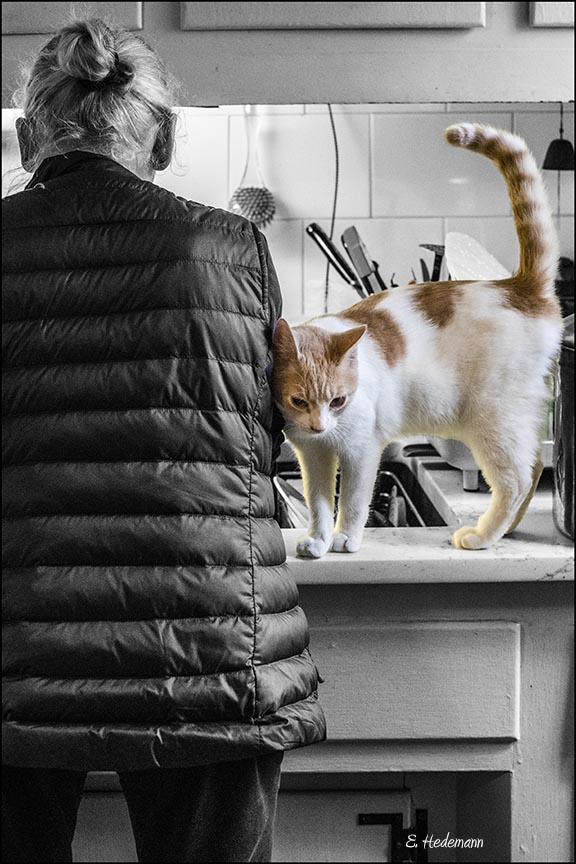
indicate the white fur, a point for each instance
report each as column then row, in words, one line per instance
column 485, row 388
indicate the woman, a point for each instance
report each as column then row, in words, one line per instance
column 152, row 627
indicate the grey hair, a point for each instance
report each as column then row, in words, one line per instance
column 98, row 88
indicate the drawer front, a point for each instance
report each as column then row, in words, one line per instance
column 420, row 680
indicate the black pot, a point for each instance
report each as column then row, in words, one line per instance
column 564, row 434
column 565, row 285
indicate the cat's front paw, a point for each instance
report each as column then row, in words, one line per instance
column 312, row 547
column 344, row 543
column 468, row 537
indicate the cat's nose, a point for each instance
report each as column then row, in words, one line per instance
column 317, row 429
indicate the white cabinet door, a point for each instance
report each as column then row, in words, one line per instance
column 29, row 18
column 331, row 16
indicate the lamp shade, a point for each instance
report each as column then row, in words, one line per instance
column 559, row 156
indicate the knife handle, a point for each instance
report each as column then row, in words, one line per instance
column 334, row 257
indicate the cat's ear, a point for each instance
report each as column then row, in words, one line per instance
column 343, row 343
column 283, row 340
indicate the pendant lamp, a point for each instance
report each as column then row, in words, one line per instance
column 560, row 153
column 559, row 156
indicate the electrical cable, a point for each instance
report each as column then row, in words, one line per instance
column 335, row 201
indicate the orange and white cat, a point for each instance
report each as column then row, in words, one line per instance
column 457, row 359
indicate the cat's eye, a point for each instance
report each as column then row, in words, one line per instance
column 338, row 402
column 299, row 403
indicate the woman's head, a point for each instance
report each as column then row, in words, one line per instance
column 96, row 88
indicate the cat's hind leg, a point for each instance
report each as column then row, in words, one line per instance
column 506, row 464
column 536, row 474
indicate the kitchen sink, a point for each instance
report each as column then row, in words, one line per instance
column 398, row 500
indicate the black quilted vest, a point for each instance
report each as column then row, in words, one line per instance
column 149, row 615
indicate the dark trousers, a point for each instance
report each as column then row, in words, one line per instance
column 222, row 812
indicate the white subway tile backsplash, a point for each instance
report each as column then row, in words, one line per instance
column 281, row 109
column 210, row 110
column 284, row 238
column 340, row 296
column 416, row 173
column 399, row 182
column 297, row 160
column 14, row 178
column 565, row 229
column 9, row 116
column 199, row 170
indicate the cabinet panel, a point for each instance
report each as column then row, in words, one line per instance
column 437, row 680
column 314, row 826
column 552, row 14
column 315, row 16
column 48, row 17
column 340, row 63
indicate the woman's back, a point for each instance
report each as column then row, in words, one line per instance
column 151, row 620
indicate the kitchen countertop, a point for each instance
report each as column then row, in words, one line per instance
column 535, row 551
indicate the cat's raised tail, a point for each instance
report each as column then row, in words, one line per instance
column 536, row 233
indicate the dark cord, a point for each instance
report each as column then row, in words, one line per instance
column 336, row 182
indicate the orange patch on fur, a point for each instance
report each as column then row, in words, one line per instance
column 381, row 325
column 313, row 371
column 529, row 295
column 437, row 300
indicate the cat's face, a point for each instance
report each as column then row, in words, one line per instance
column 315, row 374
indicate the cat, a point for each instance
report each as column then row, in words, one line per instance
column 456, row 359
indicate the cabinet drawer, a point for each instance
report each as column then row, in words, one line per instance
column 420, row 680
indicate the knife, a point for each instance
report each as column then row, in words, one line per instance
column 438, row 256
column 334, row 257
column 365, row 267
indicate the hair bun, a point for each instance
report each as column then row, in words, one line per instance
column 121, row 77
column 86, row 51
column 96, row 87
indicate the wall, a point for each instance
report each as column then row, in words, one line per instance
column 505, row 60
column 399, row 182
